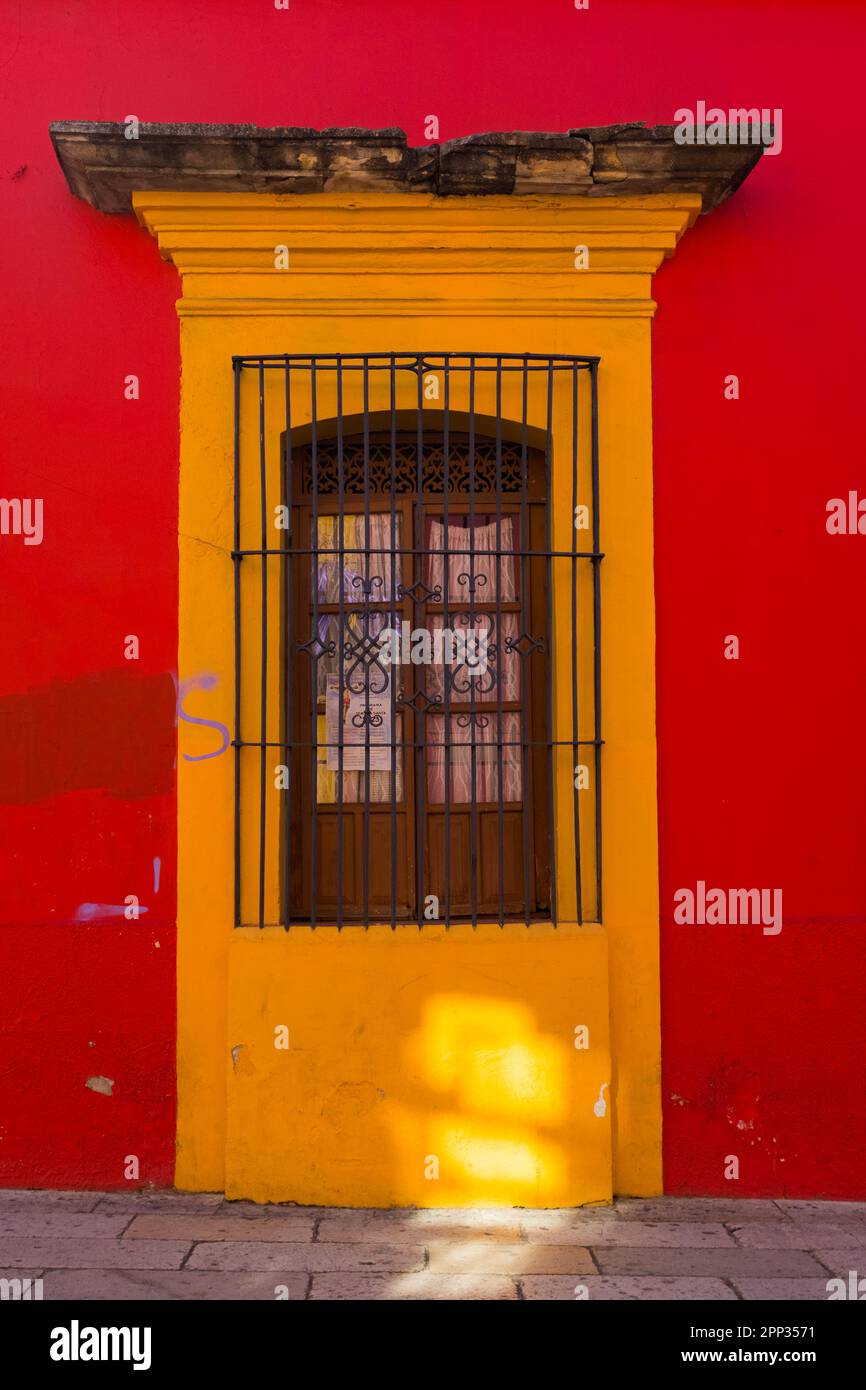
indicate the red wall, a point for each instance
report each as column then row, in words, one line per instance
column 761, row 761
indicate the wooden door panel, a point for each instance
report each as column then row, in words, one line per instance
column 379, row 867
column 487, row 873
column 512, row 861
column 459, row 869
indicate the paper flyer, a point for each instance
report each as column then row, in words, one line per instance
column 358, row 728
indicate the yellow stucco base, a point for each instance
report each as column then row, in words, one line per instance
column 425, row 1068
column 434, row 1067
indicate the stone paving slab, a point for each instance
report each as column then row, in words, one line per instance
column 697, row 1209
column 628, row 1288
column 134, row 1202
column 786, row 1290
column 315, row 1258
column 419, row 1226
column 494, row 1218
column 841, row 1262
column 161, row 1226
column 545, row 1218
column 788, row 1235
column 720, row 1264
column 18, row 1199
column 268, row 1210
column 376, row 1288
column 677, row 1235
column 74, row 1253
column 169, row 1285
column 821, row 1211
column 36, row 1224
column 492, row 1257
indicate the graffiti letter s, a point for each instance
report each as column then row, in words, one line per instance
column 204, row 682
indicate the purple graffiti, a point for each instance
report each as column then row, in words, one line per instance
column 89, row 912
column 206, row 681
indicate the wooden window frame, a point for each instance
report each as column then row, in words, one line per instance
column 496, row 889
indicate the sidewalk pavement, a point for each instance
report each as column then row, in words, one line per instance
column 174, row 1245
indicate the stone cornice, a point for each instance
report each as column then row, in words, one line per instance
column 104, row 168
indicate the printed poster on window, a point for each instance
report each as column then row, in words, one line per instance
column 357, row 725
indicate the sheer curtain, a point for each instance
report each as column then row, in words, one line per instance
column 361, row 571
column 487, row 758
column 461, row 560
column 475, row 578
column 366, row 578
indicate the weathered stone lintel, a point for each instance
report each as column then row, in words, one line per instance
column 103, row 167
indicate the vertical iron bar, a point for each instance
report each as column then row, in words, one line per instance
column 446, row 673
column 314, row 665
column 500, row 665
column 596, row 595
column 574, row 650
column 550, row 650
column 287, row 674
column 368, row 598
column 473, row 849
column 264, row 650
column 339, row 563
column 420, row 750
column 525, row 684
column 237, row 566
column 394, row 672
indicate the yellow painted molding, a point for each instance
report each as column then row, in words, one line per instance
column 501, row 250
column 403, row 308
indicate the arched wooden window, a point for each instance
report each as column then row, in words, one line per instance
column 423, row 789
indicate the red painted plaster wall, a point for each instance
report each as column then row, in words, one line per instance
column 761, row 761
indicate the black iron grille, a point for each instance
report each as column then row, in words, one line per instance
column 417, row 639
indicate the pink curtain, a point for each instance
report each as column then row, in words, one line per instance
column 482, row 579
column 461, row 562
column 501, row 681
column 488, row 759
